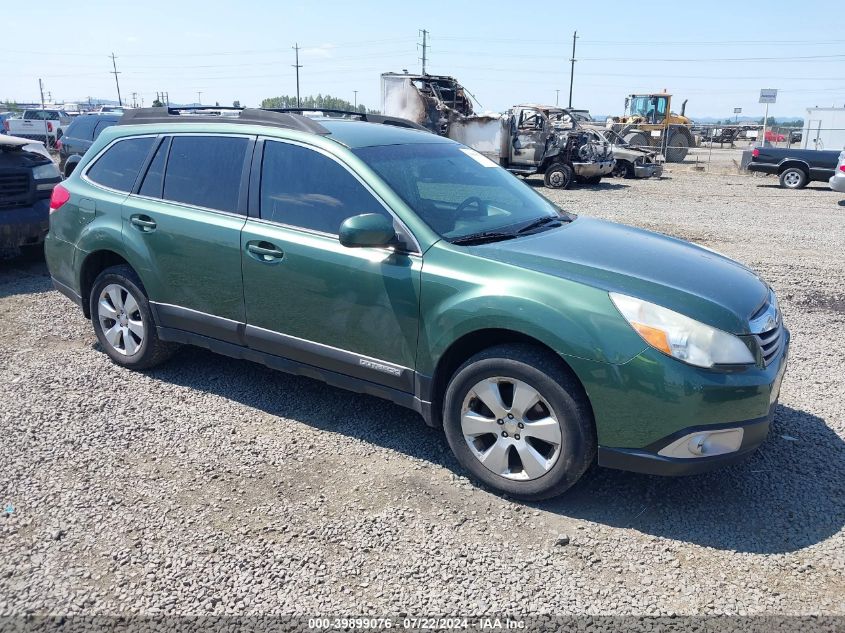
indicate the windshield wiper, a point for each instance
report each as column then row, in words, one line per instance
column 540, row 222
column 482, row 237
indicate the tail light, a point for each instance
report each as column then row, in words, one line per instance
column 842, row 168
column 755, row 152
column 59, row 197
column 49, row 126
column 58, row 145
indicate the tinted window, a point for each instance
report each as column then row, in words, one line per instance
column 154, row 179
column 119, row 166
column 102, row 124
column 82, row 127
column 205, row 171
column 303, row 188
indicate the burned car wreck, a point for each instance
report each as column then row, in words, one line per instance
column 525, row 139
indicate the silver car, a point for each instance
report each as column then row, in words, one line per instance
column 837, row 181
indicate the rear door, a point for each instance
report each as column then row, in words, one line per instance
column 184, row 218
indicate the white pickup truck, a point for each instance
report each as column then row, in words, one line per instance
column 40, row 125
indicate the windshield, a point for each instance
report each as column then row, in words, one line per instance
column 457, row 191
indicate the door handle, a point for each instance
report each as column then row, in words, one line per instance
column 265, row 252
column 144, row 223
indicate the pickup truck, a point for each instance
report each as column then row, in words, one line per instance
column 27, row 178
column 39, row 125
column 795, row 167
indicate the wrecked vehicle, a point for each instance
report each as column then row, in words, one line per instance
column 434, row 101
column 631, row 162
column 523, row 140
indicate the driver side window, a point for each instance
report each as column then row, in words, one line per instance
column 303, row 188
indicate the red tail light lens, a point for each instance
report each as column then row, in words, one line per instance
column 58, row 145
column 49, row 126
column 59, row 197
column 755, row 152
column 842, row 168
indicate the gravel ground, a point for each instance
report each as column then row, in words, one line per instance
column 218, row 486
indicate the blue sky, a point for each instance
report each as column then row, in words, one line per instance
column 503, row 52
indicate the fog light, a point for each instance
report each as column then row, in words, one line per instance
column 704, row 444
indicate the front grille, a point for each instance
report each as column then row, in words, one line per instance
column 14, row 189
column 770, row 343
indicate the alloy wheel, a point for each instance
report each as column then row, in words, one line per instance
column 120, row 319
column 792, row 179
column 510, row 428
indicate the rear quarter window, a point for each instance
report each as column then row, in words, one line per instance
column 118, row 167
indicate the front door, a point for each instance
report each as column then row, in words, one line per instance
column 185, row 221
column 308, row 298
column 528, row 136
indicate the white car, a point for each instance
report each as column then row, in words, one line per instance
column 837, row 181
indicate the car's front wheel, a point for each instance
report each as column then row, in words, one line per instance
column 123, row 321
column 519, row 422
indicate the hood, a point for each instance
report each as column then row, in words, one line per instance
column 670, row 272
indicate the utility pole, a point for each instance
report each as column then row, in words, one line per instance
column 117, row 83
column 572, row 67
column 166, row 99
column 297, row 65
column 134, row 99
column 41, row 89
column 356, row 99
column 557, row 96
column 424, row 49
column 199, row 97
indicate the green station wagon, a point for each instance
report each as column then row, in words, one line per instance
column 397, row 263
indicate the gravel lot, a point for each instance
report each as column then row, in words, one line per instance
column 219, row 486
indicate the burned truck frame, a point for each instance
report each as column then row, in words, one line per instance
column 524, row 140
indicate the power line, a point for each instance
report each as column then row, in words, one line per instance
column 424, row 48
column 297, row 65
column 117, row 83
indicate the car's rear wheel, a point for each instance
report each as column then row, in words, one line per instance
column 519, row 422
column 793, row 178
column 623, row 169
column 123, row 321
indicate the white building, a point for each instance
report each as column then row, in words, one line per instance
column 824, row 128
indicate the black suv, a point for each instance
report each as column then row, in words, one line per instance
column 79, row 136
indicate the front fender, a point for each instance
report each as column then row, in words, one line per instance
column 570, row 318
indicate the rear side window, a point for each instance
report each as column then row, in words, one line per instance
column 154, row 180
column 119, row 166
column 102, row 124
column 205, row 171
column 303, row 188
column 82, row 127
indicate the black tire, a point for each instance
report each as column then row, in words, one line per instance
column 558, row 176
column 677, row 147
column 623, row 169
column 545, row 373
column 794, row 178
column 151, row 351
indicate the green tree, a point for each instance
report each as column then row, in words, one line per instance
column 317, row 102
column 236, row 104
column 158, row 104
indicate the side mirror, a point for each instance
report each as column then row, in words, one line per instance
column 368, row 229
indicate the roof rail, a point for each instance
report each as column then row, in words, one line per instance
column 247, row 116
column 367, row 118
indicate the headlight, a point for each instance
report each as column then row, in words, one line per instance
column 43, row 172
column 679, row 336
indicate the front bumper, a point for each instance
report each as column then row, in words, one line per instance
column 648, row 170
column 837, row 182
column 24, row 226
column 651, row 411
column 588, row 170
column 650, row 462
